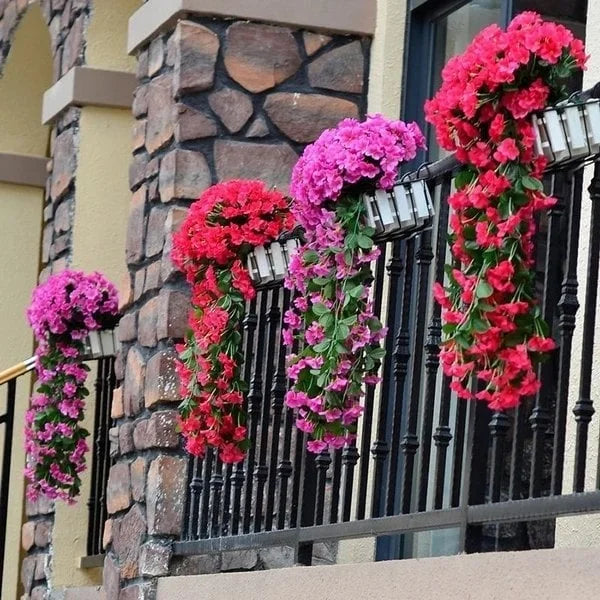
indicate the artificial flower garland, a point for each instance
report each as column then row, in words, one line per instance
column 492, row 325
column 222, row 226
column 63, row 311
column 332, row 315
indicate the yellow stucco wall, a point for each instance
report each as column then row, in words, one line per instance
column 583, row 531
column 387, row 55
column 21, row 132
column 106, row 45
column 101, row 208
column 20, row 234
column 21, row 96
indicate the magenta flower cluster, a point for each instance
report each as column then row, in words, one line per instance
column 365, row 153
column 62, row 312
column 331, row 319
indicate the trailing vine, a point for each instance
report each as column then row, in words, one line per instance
column 493, row 326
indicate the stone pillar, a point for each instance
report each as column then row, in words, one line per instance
column 217, row 99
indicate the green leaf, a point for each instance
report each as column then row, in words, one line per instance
column 531, row 183
column 340, row 348
column 356, row 292
column 377, row 353
column 320, row 309
column 365, row 242
column 479, row 325
column 310, row 257
column 321, row 280
column 449, row 328
column 463, row 178
column 326, row 320
column 322, row 347
column 343, row 331
column 484, row 290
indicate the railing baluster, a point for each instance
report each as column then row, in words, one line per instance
column 367, row 424
column 516, row 457
column 336, row 480
column 208, row 464
column 216, row 485
column 432, row 347
column 9, row 420
column 299, row 451
column 410, row 441
column 381, row 447
column 322, row 461
column 540, row 418
column 584, row 407
column 278, row 394
column 401, row 359
column 499, row 426
column 254, row 406
column 460, row 430
column 567, row 308
column 239, row 475
column 442, row 437
column 95, row 485
column 195, row 487
column 261, row 471
column 349, row 460
column 284, row 469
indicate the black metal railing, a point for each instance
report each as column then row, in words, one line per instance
column 101, row 460
column 9, row 380
column 424, row 460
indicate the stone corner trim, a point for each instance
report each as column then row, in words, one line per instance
column 338, row 16
column 22, row 169
column 86, row 86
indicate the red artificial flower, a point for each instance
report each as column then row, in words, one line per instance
column 211, row 248
column 506, row 151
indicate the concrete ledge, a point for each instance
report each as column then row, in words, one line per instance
column 544, row 574
column 339, row 16
column 85, row 86
column 22, row 169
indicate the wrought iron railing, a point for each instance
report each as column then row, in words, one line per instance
column 101, row 460
column 424, row 460
column 8, row 382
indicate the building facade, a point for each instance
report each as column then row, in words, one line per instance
column 114, row 116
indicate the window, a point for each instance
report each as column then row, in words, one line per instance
column 439, row 30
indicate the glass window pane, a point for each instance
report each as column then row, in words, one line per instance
column 452, row 34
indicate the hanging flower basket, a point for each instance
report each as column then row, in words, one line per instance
column 406, row 208
column 267, row 264
column 568, row 131
column 101, row 344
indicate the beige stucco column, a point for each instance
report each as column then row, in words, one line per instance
column 583, row 531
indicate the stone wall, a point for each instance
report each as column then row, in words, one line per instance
column 217, row 100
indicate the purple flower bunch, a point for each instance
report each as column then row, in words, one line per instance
column 62, row 312
column 331, row 319
column 354, row 153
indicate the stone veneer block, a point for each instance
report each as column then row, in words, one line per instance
column 196, row 49
column 303, row 117
column 271, row 163
column 166, row 495
column 184, row 174
column 259, row 57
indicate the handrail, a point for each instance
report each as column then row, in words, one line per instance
column 17, row 370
